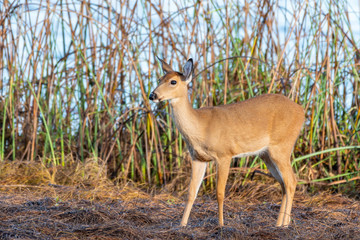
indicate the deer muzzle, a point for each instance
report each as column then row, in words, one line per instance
column 153, row 96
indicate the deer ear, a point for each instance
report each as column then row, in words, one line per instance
column 188, row 70
column 165, row 67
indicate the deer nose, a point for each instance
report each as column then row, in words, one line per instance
column 152, row 96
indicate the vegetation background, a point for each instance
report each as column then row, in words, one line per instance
column 75, row 78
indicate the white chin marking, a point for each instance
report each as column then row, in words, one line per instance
column 156, row 100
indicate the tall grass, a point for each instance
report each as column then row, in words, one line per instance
column 76, row 75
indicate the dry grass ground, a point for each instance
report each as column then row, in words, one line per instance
column 65, row 212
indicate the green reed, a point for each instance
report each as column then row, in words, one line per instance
column 75, row 80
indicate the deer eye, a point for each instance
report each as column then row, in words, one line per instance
column 173, row 82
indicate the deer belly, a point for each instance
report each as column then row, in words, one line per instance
column 251, row 153
column 202, row 155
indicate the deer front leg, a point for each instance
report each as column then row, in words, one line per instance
column 197, row 175
column 222, row 176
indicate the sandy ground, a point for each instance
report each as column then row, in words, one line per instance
column 45, row 214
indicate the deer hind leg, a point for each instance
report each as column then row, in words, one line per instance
column 223, row 168
column 280, row 167
column 197, row 174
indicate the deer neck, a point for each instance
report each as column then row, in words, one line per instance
column 185, row 117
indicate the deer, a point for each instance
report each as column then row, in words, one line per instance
column 267, row 125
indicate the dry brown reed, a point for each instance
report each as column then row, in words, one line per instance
column 75, row 78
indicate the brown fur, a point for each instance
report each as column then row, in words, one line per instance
column 267, row 125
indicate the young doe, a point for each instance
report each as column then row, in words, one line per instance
column 267, row 125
